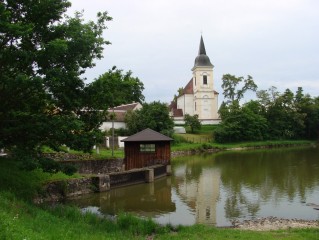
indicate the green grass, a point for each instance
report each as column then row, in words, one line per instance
column 23, row 220
column 104, row 153
column 184, row 146
column 25, row 184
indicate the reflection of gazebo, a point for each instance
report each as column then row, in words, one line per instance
column 146, row 148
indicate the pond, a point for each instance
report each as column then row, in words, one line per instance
column 215, row 189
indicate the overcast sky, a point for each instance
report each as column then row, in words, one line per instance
column 274, row 41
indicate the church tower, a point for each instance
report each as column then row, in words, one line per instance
column 205, row 97
column 198, row 96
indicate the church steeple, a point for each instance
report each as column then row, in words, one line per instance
column 201, row 49
column 202, row 60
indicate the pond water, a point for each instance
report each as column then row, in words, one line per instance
column 215, row 189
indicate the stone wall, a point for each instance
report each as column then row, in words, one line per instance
column 59, row 190
column 97, row 166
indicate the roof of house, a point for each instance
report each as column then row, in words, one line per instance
column 119, row 116
column 125, row 107
column 147, row 135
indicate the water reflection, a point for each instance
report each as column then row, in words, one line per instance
column 214, row 189
column 148, row 200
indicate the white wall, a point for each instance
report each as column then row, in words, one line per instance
column 108, row 125
column 186, row 102
column 120, row 144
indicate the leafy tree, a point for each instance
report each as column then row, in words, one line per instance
column 43, row 54
column 284, row 121
column 154, row 115
column 114, row 88
column 231, row 84
column 193, row 122
column 309, row 107
column 242, row 124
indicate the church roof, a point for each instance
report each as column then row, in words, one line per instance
column 188, row 89
column 202, row 60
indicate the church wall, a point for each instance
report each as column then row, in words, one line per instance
column 186, row 102
column 206, row 100
column 198, row 72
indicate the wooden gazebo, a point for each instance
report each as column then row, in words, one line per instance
column 146, row 148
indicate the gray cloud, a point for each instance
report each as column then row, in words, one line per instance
column 274, row 41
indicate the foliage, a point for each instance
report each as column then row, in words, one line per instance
column 42, row 57
column 44, row 100
column 193, row 122
column 274, row 115
column 231, row 82
column 114, row 88
column 154, row 115
column 242, row 124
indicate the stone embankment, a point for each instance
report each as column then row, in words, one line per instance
column 273, row 223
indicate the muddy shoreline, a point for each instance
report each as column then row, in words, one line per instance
column 274, row 223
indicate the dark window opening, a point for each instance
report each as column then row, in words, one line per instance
column 147, row 147
column 205, row 80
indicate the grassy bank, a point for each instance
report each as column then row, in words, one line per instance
column 22, row 220
column 184, row 146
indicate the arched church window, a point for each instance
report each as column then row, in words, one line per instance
column 205, row 79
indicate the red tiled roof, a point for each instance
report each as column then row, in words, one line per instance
column 173, row 105
column 188, row 89
column 119, row 116
column 178, row 113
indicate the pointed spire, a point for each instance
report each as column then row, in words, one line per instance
column 202, row 60
column 201, row 46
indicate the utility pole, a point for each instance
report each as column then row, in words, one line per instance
column 113, row 132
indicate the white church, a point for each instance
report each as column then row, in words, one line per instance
column 198, row 96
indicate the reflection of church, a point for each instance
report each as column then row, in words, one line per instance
column 198, row 96
column 200, row 194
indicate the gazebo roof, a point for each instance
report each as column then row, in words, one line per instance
column 147, row 135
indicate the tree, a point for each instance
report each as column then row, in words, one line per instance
column 112, row 89
column 284, row 121
column 243, row 123
column 43, row 55
column 230, row 86
column 192, row 122
column 154, row 115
